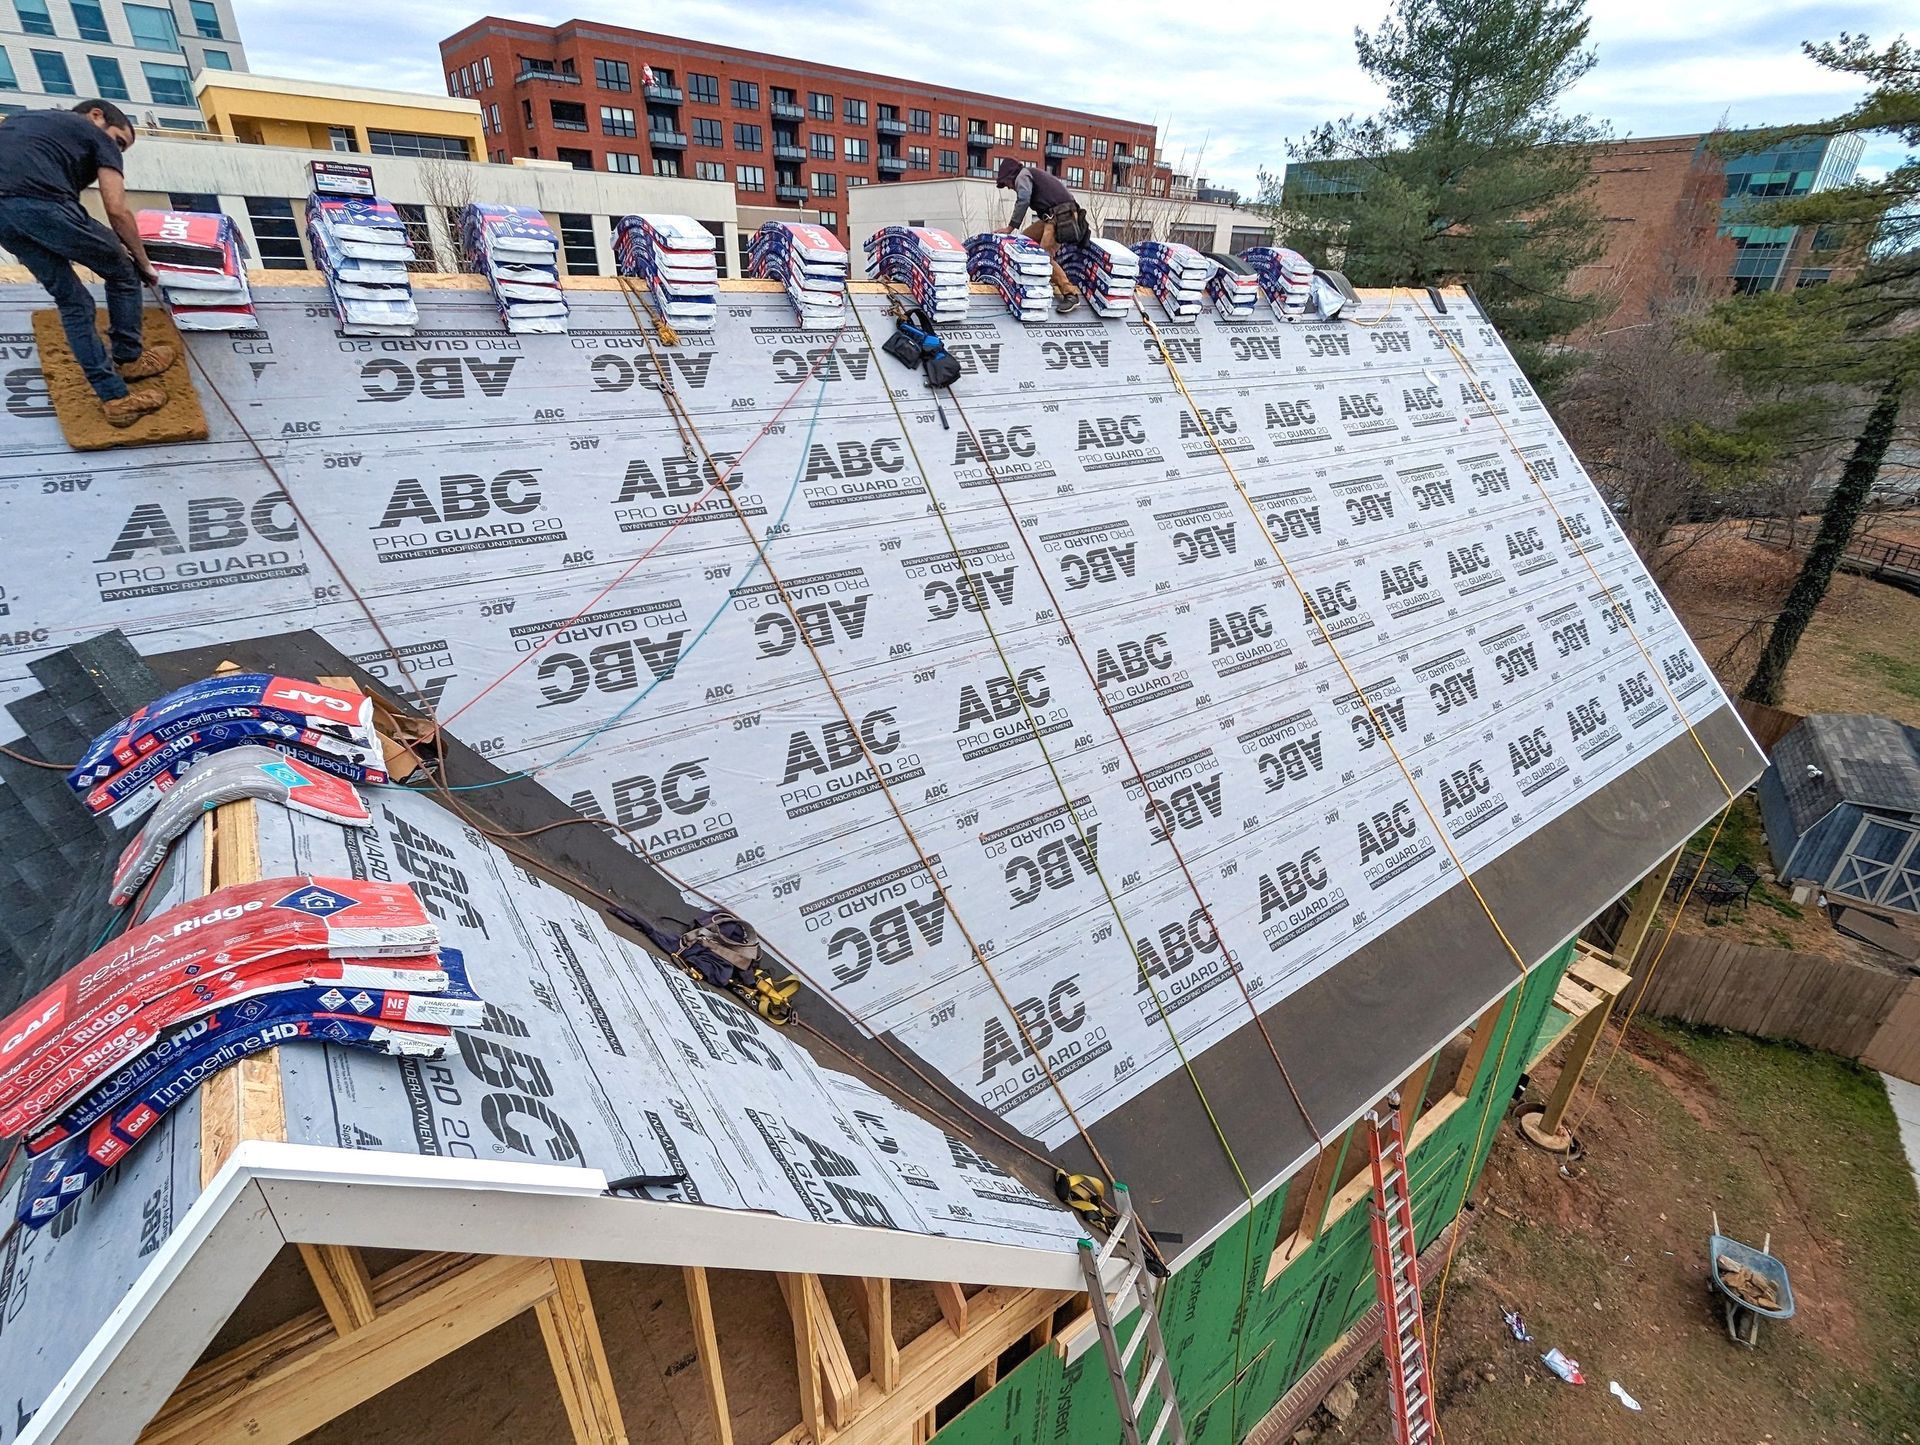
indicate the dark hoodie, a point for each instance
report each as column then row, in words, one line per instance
column 1042, row 190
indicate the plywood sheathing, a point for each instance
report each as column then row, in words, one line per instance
column 84, row 424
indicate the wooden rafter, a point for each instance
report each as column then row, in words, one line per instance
column 706, row 1343
column 579, row 1359
column 953, row 1304
column 883, row 1352
column 340, row 1276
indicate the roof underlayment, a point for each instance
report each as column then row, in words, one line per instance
column 1133, row 800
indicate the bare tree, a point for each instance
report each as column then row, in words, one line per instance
column 449, row 188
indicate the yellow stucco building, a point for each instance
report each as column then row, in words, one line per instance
column 309, row 115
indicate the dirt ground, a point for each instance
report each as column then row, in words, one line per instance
column 1862, row 653
column 1609, row 1265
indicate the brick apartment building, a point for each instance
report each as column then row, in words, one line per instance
column 790, row 135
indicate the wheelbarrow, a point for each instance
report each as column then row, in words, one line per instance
column 1744, row 1315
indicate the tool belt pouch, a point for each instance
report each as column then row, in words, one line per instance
column 942, row 370
column 1070, row 226
column 904, row 349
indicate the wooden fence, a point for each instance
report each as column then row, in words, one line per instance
column 1768, row 724
column 1845, row 1008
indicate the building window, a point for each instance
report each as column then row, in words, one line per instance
column 206, row 20
column 949, row 163
column 612, row 74
column 708, row 131
column 486, row 69
column 949, row 127
column 709, row 170
column 1243, row 237
column 276, row 233
column 407, row 143
column 36, row 19
column 216, row 59
column 1003, row 132
column 202, row 202
column 1077, row 145
column 920, row 122
column 614, row 120
column 567, row 114
column 493, row 114
column 919, row 157
column 8, row 80
column 750, row 178
column 856, row 149
column 580, row 160
column 825, row 183
column 576, row 244
column 526, row 114
column 663, row 76
column 342, row 138
column 1097, row 180
column 1099, row 148
column 168, row 84
column 746, row 137
column 667, row 166
column 54, row 76
column 419, row 235
column 1076, row 176
column 704, row 88
column 853, row 181
column 820, row 145
column 819, row 105
column 622, row 164
column 854, row 112
column 153, row 29
column 91, row 21
column 829, row 219
column 719, row 230
column 108, row 82
column 746, row 95
column 1029, row 138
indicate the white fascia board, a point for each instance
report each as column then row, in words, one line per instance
column 162, row 1326
column 321, row 1195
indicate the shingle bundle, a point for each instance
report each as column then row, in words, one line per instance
column 516, row 250
column 1176, row 274
column 200, row 260
column 1106, row 273
column 128, row 768
column 674, row 255
column 360, row 245
column 93, row 1062
column 810, row 262
column 1019, row 269
column 1286, row 278
column 1233, row 289
column 931, row 264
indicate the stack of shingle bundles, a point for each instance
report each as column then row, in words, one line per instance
column 360, row 244
column 516, row 250
column 1106, row 273
column 1020, row 270
column 810, row 262
column 1233, row 288
column 131, row 766
column 1176, row 274
column 674, row 255
column 200, row 260
column 1286, row 278
column 931, row 264
column 96, row 1060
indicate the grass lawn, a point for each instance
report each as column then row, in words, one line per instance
column 1610, row 1265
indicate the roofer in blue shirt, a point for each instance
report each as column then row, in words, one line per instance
column 1051, row 202
column 47, row 158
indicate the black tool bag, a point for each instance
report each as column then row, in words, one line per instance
column 1070, row 226
column 915, row 343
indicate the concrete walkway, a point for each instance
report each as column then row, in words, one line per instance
column 1906, row 1108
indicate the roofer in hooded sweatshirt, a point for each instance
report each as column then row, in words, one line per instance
column 47, row 158
column 1046, row 194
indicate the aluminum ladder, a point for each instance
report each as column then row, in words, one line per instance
column 1396, row 1269
column 1137, row 1286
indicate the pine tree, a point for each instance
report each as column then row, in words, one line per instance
column 1471, row 174
column 1852, row 344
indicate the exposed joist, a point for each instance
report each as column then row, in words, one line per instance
column 883, row 1351
column 806, row 1352
column 706, row 1343
column 340, row 1276
column 838, row 1382
column 579, row 1359
column 953, row 1304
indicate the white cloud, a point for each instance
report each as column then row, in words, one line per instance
column 1228, row 86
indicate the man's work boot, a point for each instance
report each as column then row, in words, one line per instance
column 1063, row 304
column 149, row 363
column 138, row 402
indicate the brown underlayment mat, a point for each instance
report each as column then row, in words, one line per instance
column 84, row 424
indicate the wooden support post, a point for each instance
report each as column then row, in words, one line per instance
column 1041, row 1335
column 953, row 1304
column 883, row 1353
column 572, row 1335
column 840, row 1386
column 1646, row 907
column 1412, row 1090
column 987, row 1378
column 340, row 1277
column 1483, row 1029
column 806, row 1350
column 1547, row 1127
column 706, row 1341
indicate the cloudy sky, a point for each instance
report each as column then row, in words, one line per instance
column 1229, row 85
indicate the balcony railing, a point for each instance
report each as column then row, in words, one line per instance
column 781, row 110
column 558, row 77
column 791, row 193
column 1057, row 151
column 981, row 173
column 979, row 139
column 890, row 127
column 665, row 94
column 789, row 153
column 667, row 140
column 894, row 165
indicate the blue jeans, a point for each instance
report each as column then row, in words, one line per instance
column 48, row 236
